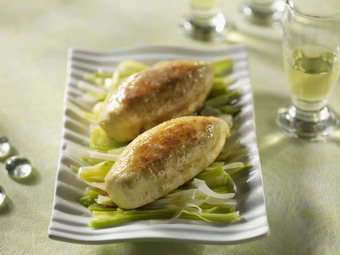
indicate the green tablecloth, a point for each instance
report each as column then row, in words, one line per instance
column 301, row 179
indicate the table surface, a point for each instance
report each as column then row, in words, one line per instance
column 301, row 178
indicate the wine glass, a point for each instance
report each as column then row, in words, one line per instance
column 263, row 12
column 205, row 21
column 311, row 50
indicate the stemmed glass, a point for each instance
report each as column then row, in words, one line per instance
column 205, row 21
column 263, row 12
column 311, row 50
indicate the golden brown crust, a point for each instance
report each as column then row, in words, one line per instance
column 155, row 95
column 165, row 157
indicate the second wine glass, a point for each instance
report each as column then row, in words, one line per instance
column 205, row 21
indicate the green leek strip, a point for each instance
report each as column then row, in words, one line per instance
column 105, row 201
column 125, row 69
column 115, row 80
column 217, row 89
column 203, row 188
column 228, row 167
column 117, row 150
column 95, row 173
column 102, row 142
column 217, row 209
column 103, row 74
column 74, row 169
column 99, row 139
column 212, row 217
column 211, row 202
column 93, row 208
column 182, row 194
column 81, row 113
column 92, row 193
column 129, row 67
column 233, row 154
column 217, row 180
column 86, row 201
column 227, row 109
column 225, row 187
column 90, row 77
column 111, row 218
column 95, row 176
column 100, row 147
column 97, row 80
column 240, row 170
column 106, row 163
column 109, row 149
column 90, row 115
column 220, row 182
column 82, row 152
column 92, row 161
column 106, row 214
column 223, row 99
column 97, row 107
column 215, row 164
column 223, row 66
column 88, row 99
column 224, row 81
column 225, row 155
column 96, row 96
column 89, row 87
column 210, row 174
column 210, row 111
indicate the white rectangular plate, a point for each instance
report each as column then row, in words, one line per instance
column 69, row 220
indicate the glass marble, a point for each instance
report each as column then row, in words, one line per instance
column 18, row 166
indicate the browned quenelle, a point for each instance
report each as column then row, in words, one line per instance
column 146, row 99
column 163, row 158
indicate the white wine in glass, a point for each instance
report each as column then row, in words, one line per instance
column 312, row 71
column 311, row 49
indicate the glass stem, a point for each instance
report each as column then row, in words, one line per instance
column 310, row 111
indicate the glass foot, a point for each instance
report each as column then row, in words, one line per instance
column 316, row 126
column 263, row 15
column 217, row 31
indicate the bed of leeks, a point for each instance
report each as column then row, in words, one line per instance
column 208, row 197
